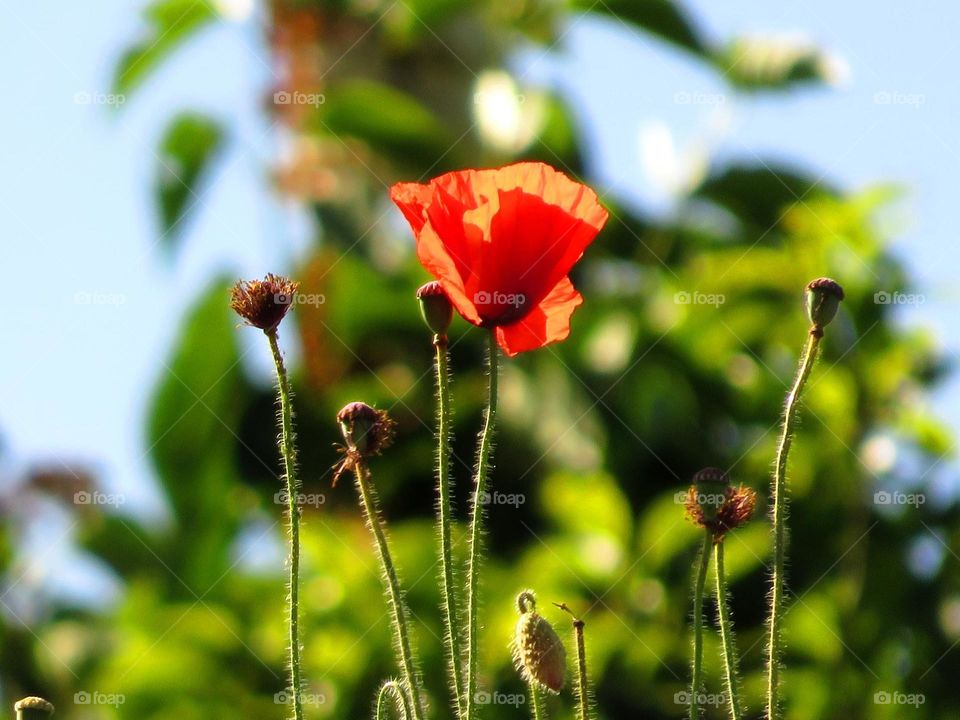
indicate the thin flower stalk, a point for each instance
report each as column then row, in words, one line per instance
column 696, row 676
column 398, row 615
column 475, row 531
column 583, row 688
column 728, row 640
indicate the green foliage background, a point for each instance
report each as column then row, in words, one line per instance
column 597, row 434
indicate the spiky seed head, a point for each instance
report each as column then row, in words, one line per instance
column 366, row 430
column 736, row 510
column 435, row 307
column 537, row 649
column 263, row 303
column 823, row 301
column 709, row 491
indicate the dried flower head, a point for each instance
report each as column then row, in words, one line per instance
column 366, row 432
column 436, row 308
column 537, row 649
column 263, row 303
column 714, row 504
column 823, row 301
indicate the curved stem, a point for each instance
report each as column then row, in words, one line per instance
column 696, row 680
column 391, row 581
column 288, row 449
column 779, row 521
column 391, row 690
column 451, row 618
column 476, row 521
column 727, row 637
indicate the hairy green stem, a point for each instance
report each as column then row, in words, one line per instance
column 391, row 690
column 696, row 676
column 476, row 521
column 451, row 618
column 536, row 703
column 582, row 690
column 388, row 571
column 779, row 521
column 288, row 449
column 727, row 637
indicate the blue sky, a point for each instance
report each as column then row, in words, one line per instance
column 94, row 307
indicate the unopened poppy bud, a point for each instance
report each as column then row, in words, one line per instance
column 366, row 430
column 537, row 649
column 823, row 301
column 263, row 303
column 33, row 708
column 435, row 307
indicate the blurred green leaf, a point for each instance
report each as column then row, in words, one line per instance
column 169, row 24
column 663, row 18
column 774, row 63
column 189, row 146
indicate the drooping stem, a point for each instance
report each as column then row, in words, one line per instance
column 288, row 449
column 391, row 691
column 476, row 522
column 696, row 678
column 451, row 617
column 779, row 521
column 727, row 637
column 388, row 571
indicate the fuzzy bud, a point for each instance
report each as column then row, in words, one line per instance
column 435, row 307
column 366, row 430
column 823, row 301
column 263, row 303
column 537, row 649
column 33, row 708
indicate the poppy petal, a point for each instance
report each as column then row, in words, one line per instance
column 547, row 323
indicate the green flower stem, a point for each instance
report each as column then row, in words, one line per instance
column 727, row 637
column 696, row 679
column 388, row 571
column 476, row 521
column 536, row 702
column 451, row 618
column 779, row 517
column 582, row 689
column 288, row 449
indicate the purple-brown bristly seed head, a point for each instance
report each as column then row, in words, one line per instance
column 263, row 303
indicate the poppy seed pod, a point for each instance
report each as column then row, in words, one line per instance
column 710, row 486
column 537, row 649
column 435, row 307
column 823, row 301
column 366, row 430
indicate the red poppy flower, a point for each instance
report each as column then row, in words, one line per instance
column 501, row 243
